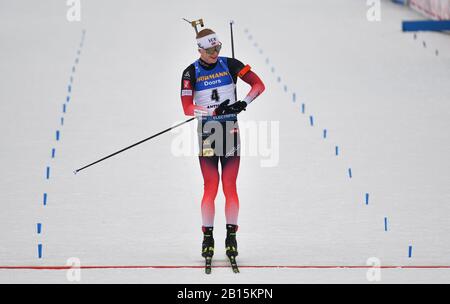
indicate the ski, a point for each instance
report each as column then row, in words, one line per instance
column 208, row 265
column 233, row 263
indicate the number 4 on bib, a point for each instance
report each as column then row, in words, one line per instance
column 215, row 95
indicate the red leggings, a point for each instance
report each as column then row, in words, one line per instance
column 210, row 171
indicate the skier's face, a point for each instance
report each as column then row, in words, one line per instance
column 210, row 56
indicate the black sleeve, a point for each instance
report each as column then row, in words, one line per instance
column 235, row 66
column 188, row 74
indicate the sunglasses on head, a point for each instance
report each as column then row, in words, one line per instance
column 213, row 49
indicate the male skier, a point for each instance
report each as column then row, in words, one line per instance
column 208, row 89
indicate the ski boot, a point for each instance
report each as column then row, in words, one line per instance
column 208, row 247
column 231, row 246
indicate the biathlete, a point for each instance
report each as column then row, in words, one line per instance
column 208, row 89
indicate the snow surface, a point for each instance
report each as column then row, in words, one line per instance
column 381, row 94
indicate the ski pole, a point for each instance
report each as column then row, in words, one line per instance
column 133, row 145
column 232, row 38
column 232, row 52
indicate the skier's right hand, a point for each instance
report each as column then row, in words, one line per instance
column 222, row 108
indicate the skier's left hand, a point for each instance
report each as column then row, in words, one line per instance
column 234, row 108
column 238, row 107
